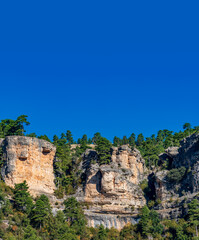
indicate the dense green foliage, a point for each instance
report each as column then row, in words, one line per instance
column 10, row 127
column 41, row 212
column 151, row 147
column 22, row 199
column 103, row 148
column 75, row 216
column 176, row 174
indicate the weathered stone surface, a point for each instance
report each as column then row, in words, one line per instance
column 114, row 188
column 29, row 159
column 187, row 155
column 172, row 151
column 110, row 220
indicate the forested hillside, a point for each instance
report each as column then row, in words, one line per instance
column 25, row 217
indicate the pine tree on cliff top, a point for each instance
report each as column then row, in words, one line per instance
column 103, row 149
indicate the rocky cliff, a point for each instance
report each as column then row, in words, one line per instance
column 175, row 193
column 29, row 159
column 112, row 192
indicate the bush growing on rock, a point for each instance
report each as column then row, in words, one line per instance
column 176, row 174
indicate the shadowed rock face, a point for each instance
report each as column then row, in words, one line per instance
column 113, row 189
column 29, row 159
column 186, row 156
column 174, row 194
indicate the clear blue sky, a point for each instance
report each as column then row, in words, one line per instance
column 115, row 67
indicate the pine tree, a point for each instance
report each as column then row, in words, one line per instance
column 84, row 139
column 69, row 137
column 116, row 141
column 96, row 137
column 55, row 139
column 140, row 139
column 187, row 126
column 74, row 215
column 103, row 149
column 41, row 212
column 132, row 140
column 145, row 222
column 102, row 234
column 31, row 234
column 193, row 214
column 22, row 199
column 21, row 121
column 125, row 140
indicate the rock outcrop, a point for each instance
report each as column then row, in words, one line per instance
column 110, row 193
column 29, row 159
column 113, row 189
column 173, row 194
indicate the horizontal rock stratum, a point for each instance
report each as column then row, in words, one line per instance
column 30, row 159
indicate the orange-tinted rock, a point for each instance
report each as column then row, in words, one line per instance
column 29, row 159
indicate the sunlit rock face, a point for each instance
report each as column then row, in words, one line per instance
column 113, row 189
column 29, row 159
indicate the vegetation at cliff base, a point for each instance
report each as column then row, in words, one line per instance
column 37, row 221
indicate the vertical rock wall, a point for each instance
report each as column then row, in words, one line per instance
column 112, row 191
column 174, row 194
column 29, row 159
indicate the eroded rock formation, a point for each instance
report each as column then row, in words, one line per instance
column 111, row 193
column 113, row 189
column 29, row 159
column 173, row 194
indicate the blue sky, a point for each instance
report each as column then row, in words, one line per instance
column 115, row 67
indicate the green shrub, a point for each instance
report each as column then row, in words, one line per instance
column 59, row 192
column 151, row 204
column 144, row 185
column 176, row 174
column 158, row 201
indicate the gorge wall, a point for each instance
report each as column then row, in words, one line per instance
column 175, row 194
column 112, row 191
column 29, row 159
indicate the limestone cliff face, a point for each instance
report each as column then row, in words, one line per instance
column 174, row 194
column 29, row 159
column 113, row 189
